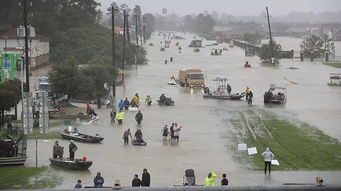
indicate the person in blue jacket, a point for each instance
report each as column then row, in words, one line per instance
column 121, row 105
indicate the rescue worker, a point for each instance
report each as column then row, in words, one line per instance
column 57, row 150
column 72, row 149
column 98, row 180
column 126, row 104
column 126, row 135
column 268, row 156
column 138, row 117
column 247, row 92
column 119, row 116
column 136, row 100
column 148, row 100
column 209, row 180
column 122, row 104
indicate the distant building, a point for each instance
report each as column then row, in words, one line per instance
column 39, row 47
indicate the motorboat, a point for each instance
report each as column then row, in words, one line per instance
column 276, row 95
column 77, row 164
column 172, row 82
column 167, row 102
column 223, row 91
column 73, row 134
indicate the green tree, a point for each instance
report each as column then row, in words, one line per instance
column 64, row 78
column 10, row 95
column 149, row 19
column 265, row 52
column 312, row 45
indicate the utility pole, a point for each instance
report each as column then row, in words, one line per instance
column 27, row 61
column 141, row 20
column 267, row 13
column 113, row 51
column 127, row 27
column 137, row 39
column 124, row 40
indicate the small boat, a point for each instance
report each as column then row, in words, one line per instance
column 169, row 102
column 81, row 137
column 137, row 143
column 172, row 82
column 223, row 91
column 235, row 96
column 131, row 108
column 77, row 164
column 247, row 65
column 216, row 52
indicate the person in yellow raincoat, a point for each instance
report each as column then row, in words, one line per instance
column 119, row 116
column 136, row 99
column 209, row 180
column 247, row 93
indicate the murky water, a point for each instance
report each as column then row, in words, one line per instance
column 204, row 139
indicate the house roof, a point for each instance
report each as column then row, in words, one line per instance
column 12, row 34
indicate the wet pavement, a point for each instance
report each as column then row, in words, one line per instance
column 205, row 137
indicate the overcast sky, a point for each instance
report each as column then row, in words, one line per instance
column 234, row 7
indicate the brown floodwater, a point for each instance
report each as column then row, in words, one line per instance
column 204, row 140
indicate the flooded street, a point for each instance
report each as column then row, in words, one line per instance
column 205, row 138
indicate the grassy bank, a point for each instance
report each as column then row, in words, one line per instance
column 296, row 147
column 50, row 135
column 15, row 177
column 336, row 64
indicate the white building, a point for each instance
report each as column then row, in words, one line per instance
column 38, row 47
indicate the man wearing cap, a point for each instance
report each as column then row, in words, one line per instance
column 72, row 149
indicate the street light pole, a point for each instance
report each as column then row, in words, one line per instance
column 113, row 50
column 27, row 61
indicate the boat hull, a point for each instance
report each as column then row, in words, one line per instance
column 68, row 116
column 138, row 143
column 82, row 138
column 71, row 165
column 227, row 97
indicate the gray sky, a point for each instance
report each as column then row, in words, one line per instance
column 234, row 7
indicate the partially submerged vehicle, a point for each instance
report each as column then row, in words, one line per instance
column 77, row 164
column 195, row 43
column 223, row 91
column 191, row 77
column 216, row 52
column 12, row 150
column 276, row 95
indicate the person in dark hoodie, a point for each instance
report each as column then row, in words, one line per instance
column 138, row 117
column 136, row 181
column 126, row 104
column 145, row 178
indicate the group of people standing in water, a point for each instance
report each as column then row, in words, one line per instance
column 171, row 133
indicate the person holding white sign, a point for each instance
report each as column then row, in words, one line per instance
column 268, row 156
